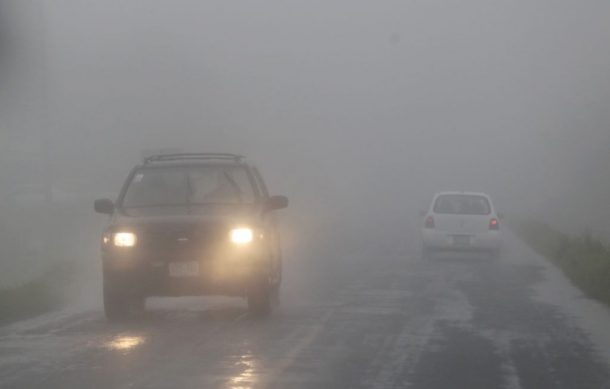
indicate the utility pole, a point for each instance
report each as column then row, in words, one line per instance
column 44, row 130
column 44, row 108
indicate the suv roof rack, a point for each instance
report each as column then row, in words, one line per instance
column 193, row 156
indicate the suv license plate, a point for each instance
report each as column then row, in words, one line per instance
column 461, row 240
column 184, row 269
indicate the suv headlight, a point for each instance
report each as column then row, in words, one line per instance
column 241, row 236
column 124, row 239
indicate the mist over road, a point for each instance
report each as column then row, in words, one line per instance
column 356, row 111
column 380, row 321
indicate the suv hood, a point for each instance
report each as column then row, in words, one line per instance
column 181, row 215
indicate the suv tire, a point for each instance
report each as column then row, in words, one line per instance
column 116, row 305
column 259, row 300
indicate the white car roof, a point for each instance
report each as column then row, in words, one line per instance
column 456, row 192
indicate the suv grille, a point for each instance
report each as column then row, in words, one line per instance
column 176, row 240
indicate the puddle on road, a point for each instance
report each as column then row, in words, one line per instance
column 124, row 343
column 248, row 377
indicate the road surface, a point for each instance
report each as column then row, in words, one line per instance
column 380, row 321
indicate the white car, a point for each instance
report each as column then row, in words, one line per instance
column 462, row 222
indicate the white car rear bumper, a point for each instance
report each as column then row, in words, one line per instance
column 444, row 240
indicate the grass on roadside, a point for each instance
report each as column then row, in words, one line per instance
column 37, row 296
column 584, row 259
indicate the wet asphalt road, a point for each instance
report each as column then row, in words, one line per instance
column 378, row 321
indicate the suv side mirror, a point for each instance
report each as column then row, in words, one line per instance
column 104, row 206
column 500, row 215
column 276, row 202
column 423, row 213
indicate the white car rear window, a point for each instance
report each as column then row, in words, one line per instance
column 459, row 204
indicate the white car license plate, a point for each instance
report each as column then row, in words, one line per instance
column 184, row 269
column 461, row 240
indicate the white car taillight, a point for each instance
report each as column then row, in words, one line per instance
column 429, row 222
column 494, row 224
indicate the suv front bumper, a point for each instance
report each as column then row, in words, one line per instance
column 230, row 272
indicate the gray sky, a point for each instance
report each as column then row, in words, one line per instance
column 357, row 107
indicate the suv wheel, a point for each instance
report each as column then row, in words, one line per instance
column 119, row 304
column 259, row 300
column 116, row 305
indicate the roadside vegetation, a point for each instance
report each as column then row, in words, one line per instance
column 584, row 259
column 40, row 295
column 43, row 264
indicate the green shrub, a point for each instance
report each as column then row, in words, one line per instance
column 37, row 296
column 584, row 259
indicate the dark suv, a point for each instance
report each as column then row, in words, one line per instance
column 191, row 224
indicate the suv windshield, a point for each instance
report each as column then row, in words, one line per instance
column 188, row 185
column 462, row 205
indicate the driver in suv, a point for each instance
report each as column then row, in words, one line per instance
column 191, row 224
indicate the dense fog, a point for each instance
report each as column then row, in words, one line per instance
column 358, row 111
